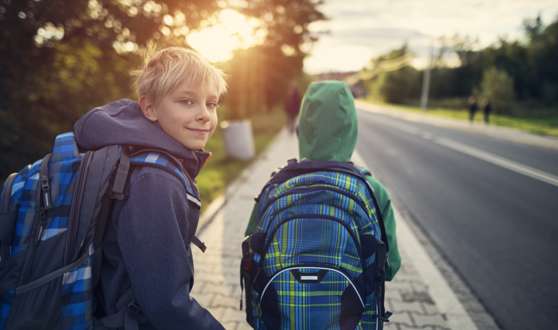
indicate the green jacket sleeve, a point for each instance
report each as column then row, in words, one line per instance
column 384, row 202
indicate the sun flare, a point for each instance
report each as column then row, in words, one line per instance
column 227, row 31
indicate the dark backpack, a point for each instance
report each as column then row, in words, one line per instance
column 53, row 216
column 317, row 258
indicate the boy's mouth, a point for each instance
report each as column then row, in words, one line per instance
column 201, row 130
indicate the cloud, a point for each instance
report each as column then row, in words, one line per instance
column 363, row 28
column 357, row 35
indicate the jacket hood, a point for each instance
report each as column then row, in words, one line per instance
column 328, row 125
column 122, row 122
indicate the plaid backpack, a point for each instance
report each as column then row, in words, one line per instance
column 53, row 216
column 317, row 258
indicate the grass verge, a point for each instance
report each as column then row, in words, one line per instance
column 220, row 170
column 539, row 123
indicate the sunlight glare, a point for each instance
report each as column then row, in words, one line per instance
column 230, row 31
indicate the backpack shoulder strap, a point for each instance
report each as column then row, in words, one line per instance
column 370, row 244
column 7, row 192
column 364, row 173
column 167, row 162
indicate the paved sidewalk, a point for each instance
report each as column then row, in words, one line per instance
column 418, row 297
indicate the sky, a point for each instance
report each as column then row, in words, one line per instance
column 361, row 29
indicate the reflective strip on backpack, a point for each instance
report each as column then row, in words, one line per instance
column 83, row 273
column 50, row 233
column 152, row 158
column 16, row 187
column 193, row 199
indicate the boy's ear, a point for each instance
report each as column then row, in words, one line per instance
column 148, row 108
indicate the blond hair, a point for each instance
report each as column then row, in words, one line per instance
column 168, row 68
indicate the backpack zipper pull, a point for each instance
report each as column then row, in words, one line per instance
column 45, row 189
column 39, row 233
column 45, row 205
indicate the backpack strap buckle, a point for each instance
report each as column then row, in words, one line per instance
column 44, row 185
column 197, row 242
column 120, row 177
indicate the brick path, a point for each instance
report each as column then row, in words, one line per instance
column 217, row 284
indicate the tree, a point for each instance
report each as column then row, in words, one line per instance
column 391, row 77
column 287, row 42
column 400, row 85
column 542, row 54
column 247, row 93
column 533, row 27
column 497, row 87
column 29, row 30
column 60, row 58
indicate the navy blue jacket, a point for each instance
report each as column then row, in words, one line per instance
column 147, row 243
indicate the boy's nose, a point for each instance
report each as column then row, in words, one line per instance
column 203, row 113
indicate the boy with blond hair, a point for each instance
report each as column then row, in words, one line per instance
column 147, row 269
column 98, row 233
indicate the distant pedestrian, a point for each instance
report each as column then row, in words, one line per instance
column 473, row 107
column 487, row 109
column 292, row 106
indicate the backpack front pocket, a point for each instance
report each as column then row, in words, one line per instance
column 36, row 307
column 311, row 298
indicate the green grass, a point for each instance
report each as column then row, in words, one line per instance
column 220, row 170
column 545, row 123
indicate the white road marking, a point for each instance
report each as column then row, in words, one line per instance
column 446, row 300
column 500, row 161
column 479, row 154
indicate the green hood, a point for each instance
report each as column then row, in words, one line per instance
column 328, row 123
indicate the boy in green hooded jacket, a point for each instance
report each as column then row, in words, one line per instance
column 328, row 130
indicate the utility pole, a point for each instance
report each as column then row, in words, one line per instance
column 426, row 81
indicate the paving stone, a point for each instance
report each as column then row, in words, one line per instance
column 391, row 326
column 433, row 320
column 234, row 314
column 401, row 318
column 217, row 271
column 408, row 307
column 230, row 325
column 204, row 299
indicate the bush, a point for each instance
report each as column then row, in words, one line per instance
column 497, row 87
column 399, row 86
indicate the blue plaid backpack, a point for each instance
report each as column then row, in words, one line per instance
column 53, row 216
column 317, row 258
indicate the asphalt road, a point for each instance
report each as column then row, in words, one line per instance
column 490, row 206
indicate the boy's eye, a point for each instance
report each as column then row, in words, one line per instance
column 212, row 105
column 188, row 101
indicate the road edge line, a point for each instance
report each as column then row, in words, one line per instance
column 444, row 297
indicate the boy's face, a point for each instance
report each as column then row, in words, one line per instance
column 188, row 114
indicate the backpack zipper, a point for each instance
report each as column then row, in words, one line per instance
column 312, row 267
column 76, row 207
column 36, row 230
column 49, row 277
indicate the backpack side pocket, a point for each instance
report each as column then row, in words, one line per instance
column 249, row 266
column 7, row 218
